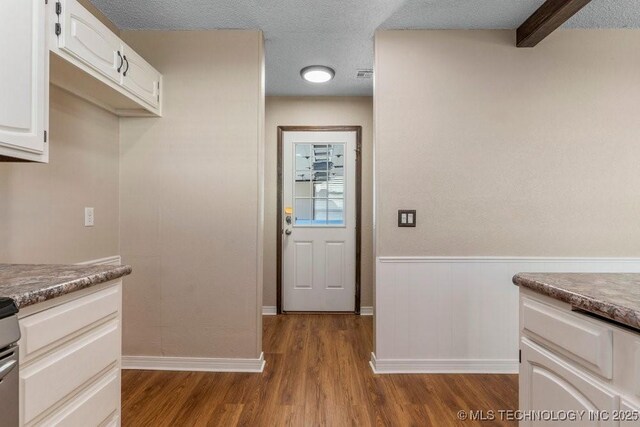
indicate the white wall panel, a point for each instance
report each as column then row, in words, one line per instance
column 458, row 314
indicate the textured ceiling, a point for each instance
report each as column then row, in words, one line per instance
column 339, row 33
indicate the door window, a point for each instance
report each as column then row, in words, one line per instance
column 319, row 187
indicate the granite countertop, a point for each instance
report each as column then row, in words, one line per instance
column 29, row 284
column 615, row 296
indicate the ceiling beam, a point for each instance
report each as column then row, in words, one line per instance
column 545, row 20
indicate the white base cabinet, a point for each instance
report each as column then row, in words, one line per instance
column 573, row 364
column 70, row 355
column 550, row 384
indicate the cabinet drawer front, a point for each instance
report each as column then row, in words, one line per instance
column 636, row 359
column 587, row 343
column 93, row 407
column 59, row 374
column 43, row 329
column 629, row 413
column 114, row 422
column 548, row 383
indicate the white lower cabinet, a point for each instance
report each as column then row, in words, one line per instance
column 629, row 414
column 70, row 366
column 575, row 365
column 94, row 407
column 549, row 384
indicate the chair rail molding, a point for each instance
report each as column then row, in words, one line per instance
column 111, row 260
column 460, row 313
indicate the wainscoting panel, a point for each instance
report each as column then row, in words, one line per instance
column 458, row 314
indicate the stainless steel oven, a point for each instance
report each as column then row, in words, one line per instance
column 9, row 336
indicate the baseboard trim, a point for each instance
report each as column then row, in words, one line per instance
column 269, row 310
column 204, row 364
column 502, row 259
column 366, row 311
column 443, row 366
column 112, row 260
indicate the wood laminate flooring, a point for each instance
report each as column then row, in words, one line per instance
column 317, row 374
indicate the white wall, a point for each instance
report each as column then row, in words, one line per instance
column 42, row 205
column 503, row 152
column 191, row 199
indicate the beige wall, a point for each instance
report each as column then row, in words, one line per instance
column 284, row 111
column 190, row 202
column 505, row 151
column 42, row 205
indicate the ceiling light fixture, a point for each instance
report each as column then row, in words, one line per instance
column 317, row 74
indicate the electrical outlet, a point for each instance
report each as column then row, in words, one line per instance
column 406, row 218
column 89, row 218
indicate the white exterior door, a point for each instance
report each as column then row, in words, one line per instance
column 319, row 215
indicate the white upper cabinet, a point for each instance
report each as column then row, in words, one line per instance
column 88, row 60
column 24, row 81
column 95, row 64
column 89, row 40
column 141, row 78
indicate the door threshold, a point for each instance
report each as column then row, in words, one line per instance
column 319, row 312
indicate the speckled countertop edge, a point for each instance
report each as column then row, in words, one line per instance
column 30, row 284
column 616, row 312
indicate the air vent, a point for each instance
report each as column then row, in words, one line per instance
column 364, row 74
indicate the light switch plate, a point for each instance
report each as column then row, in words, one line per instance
column 407, row 218
column 89, row 218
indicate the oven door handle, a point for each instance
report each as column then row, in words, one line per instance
column 6, row 368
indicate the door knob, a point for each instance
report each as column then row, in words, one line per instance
column 287, row 232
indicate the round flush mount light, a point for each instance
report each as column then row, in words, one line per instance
column 317, row 74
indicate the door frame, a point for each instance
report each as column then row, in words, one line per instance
column 280, row 230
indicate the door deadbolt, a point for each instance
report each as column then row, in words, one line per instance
column 288, row 219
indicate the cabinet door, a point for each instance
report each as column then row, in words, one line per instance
column 24, row 80
column 548, row 383
column 89, row 40
column 140, row 78
column 629, row 414
column 69, row 368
